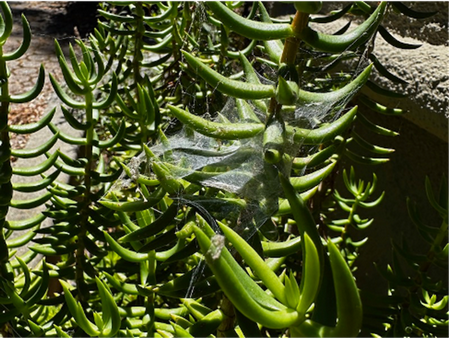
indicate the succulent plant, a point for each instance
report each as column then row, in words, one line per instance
column 203, row 202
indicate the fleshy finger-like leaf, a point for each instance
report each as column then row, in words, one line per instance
column 217, row 130
column 123, row 252
column 227, row 86
column 24, row 45
column 237, row 292
column 250, row 28
column 110, row 312
column 32, row 93
column 78, row 313
column 253, row 260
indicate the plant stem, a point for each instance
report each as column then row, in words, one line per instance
column 227, row 324
column 138, row 43
column 288, row 56
column 435, row 247
column 5, row 144
column 80, row 254
column 290, row 49
column 292, row 44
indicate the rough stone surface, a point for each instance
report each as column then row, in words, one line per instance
column 432, row 30
column 425, row 69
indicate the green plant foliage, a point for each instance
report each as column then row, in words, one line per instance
column 201, row 202
column 416, row 303
column 21, row 288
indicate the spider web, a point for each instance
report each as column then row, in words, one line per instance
column 239, row 166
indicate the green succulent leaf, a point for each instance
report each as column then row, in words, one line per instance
column 353, row 39
column 110, row 312
column 411, row 13
column 311, row 276
column 208, row 324
column 349, row 307
column 393, row 41
column 26, row 41
column 249, row 28
column 302, row 215
column 258, row 265
column 124, row 252
column 310, row 180
column 33, row 127
column 224, row 131
column 7, row 22
column 234, row 88
column 237, row 290
column 34, row 152
column 78, row 313
column 324, row 133
column 32, row 93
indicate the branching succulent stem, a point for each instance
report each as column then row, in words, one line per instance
column 288, row 57
column 292, row 44
column 4, row 143
column 228, row 321
column 80, row 255
column 350, row 218
column 274, row 107
column 443, row 232
column 138, row 43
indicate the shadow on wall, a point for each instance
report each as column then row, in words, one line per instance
column 418, row 153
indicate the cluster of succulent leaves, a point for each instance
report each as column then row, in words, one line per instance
column 140, row 245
